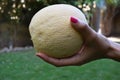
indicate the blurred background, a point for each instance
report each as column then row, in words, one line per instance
column 15, row 16
column 17, row 63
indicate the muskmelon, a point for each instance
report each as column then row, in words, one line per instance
column 52, row 33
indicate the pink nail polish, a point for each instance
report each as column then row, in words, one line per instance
column 74, row 20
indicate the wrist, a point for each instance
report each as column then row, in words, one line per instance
column 114, row 51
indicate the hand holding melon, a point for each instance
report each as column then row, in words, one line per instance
column 63, row 40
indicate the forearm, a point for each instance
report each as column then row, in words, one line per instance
column 114, row 51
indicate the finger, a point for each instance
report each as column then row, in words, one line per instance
column 75, row 60
column 86, row 32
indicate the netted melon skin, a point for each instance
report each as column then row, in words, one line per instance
column 52, row 33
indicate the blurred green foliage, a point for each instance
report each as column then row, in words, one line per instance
column 21, row 11
column 113, row 2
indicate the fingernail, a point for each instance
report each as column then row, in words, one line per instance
column 74, row 20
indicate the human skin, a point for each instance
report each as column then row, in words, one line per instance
column 95, row 46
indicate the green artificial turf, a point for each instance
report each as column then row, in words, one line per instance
column 24, row 65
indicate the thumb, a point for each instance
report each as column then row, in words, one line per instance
column 85, row 31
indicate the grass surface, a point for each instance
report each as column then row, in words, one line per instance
column 24, row 65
